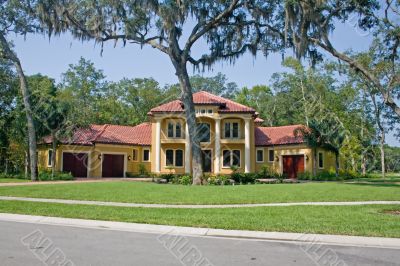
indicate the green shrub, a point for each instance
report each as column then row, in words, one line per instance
column 130, row 174
column 218, row 180
column 12, row 176
column 142, row 169
column 266, row 172
column 244, row 178
column 167, row 177
column 305, row 176
column 46, row 176
column 185, row 180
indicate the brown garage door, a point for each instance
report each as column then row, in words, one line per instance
column 113, row 165
column 292, row 165
column 75, row 163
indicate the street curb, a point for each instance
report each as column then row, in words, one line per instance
column 358, row 241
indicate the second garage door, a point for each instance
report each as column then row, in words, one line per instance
column 113, row 165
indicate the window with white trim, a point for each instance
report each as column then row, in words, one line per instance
column 174, row 158
column 320, row 160
column 231, row 130
column 260, row 155
column 146, row 155
column 230, row 158
column 174, row 129
column 49, row 158
column 135, row 155
column 271, row 156
column 204, row 132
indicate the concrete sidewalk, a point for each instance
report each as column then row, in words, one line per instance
column 377, row 242
column 185, row 206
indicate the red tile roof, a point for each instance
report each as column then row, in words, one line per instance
column 109, row 134
column 268, row 136
column 205, row 98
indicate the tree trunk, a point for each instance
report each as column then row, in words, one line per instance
column 336, row 164
column 29, row 118
column 26, row 166
column 53, row 155
column 315, row 161
column 304, row 103
column 382, row 148
column 382, row 132
column 6, row 168
column 363, row 164
column 187, row 99
column 8, row 54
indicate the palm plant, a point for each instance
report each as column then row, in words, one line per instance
column 328, row 134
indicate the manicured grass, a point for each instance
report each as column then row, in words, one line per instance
column 12, row 180
column 368, row 220
column 142, row 192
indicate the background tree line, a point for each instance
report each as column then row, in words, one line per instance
column 299, row 95
column 228, row 29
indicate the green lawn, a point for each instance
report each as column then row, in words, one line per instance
column 368, row 220
column 12, row 180
column 142, row 192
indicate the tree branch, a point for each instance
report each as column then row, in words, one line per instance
column 387, row 97
column 205, row 27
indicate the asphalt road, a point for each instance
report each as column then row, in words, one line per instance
column 31, row 244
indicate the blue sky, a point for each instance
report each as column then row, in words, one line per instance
column 38, row 54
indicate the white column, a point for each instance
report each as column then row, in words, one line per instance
column 187, row 150
column 158, row 146
column 247, row 146
column 217, row 163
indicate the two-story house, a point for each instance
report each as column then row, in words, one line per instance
column 230, row 135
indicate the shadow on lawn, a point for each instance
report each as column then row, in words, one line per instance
column 376, row 184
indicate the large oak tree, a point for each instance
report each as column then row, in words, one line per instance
column 228, row 29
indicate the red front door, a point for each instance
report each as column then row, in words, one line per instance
column 113, row 165
column 292, row 165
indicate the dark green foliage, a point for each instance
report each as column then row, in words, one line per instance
column 244, row 178
column 182, row 180
column 46, row 176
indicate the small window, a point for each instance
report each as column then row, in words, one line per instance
column 204, row 132
column 231, row 130
column 49, row 158
column 146, row 155
column 235, row 130
column 170, row 130
column 260, row 156
column 320, row 160
column 169, row 157
column 210, row 111
column 178, row 130
column 226, row 158
column 228, row 130
column 271, row 155
column 236, row 158
column 179, row 158
column 203, row 111
column 231, row 158
column 134, row 155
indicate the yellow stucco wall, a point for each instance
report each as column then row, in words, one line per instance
column 94, row 162
column 298, row 149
